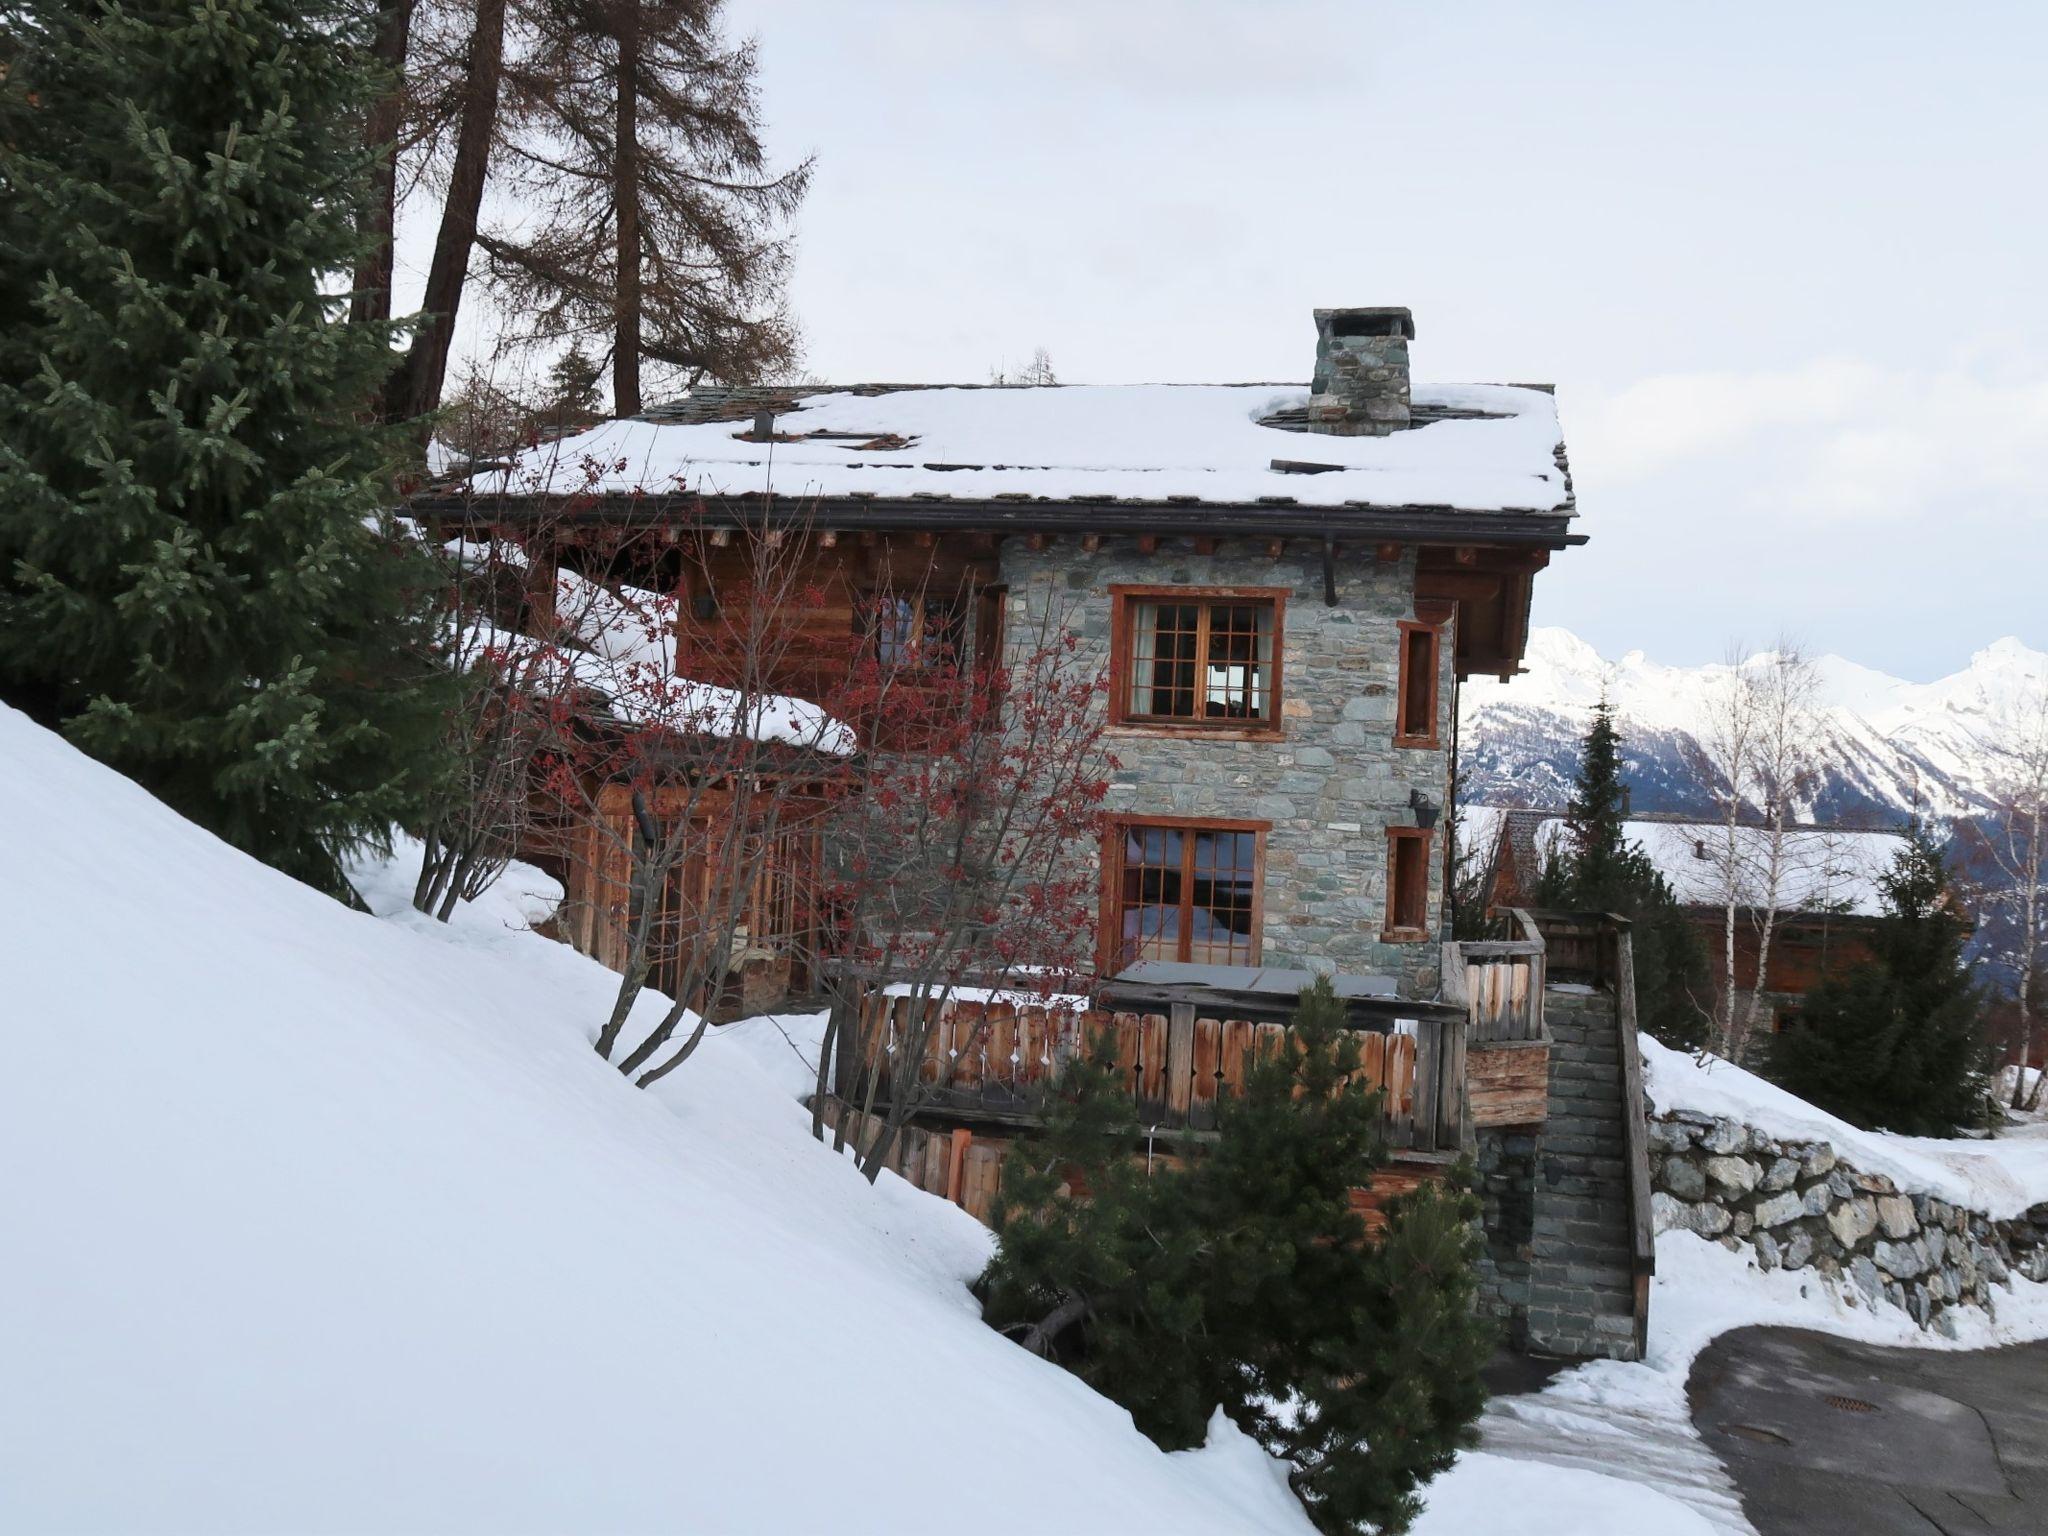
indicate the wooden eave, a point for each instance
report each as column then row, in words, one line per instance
column 1273, row 517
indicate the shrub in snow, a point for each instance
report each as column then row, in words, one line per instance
column 1237, row 1273
column 1897, row 1043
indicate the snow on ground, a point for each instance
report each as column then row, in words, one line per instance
column 1140, row 441
column 321, row 1222
column 1631, row 1420
column 2001, row 1177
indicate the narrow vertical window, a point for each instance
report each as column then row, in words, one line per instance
column 1407, row 884
column 1415, row 712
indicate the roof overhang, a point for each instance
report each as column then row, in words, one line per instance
column 1271, row 517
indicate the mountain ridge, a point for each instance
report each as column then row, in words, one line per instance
column 1889, row 749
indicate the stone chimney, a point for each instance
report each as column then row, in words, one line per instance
column 1361, row 380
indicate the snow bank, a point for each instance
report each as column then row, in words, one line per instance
column 1141, row 441
column 322, row 1222
column 1999, row 1178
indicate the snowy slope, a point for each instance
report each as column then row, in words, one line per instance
column 324, row 1222
column 317, row 1222
column 1889, row 744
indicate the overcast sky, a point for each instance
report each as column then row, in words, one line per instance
column 1784, row 262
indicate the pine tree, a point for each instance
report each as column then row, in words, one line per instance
column 1599, row 870
column 192, row 584
column 1241, row 1277
column 1898, row 1043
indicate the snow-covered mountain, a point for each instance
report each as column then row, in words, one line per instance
column 1888, row 746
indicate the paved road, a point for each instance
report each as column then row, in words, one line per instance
column 1826, row 1436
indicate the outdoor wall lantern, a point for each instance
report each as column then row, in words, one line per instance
column 1426, row 810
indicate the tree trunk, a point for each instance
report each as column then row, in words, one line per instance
column 370, row 303
column 415, row 388
column 626, row 294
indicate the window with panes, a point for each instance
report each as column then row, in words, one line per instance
column 1197, row 658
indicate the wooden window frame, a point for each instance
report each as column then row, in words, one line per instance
column 1394, row 932
column 868, row 620
column 1115, row 828
column 1122, row 597
column 1429, row 620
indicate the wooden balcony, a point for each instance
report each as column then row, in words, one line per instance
column 992, row 1062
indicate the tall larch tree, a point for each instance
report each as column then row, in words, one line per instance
column 652, row 224
column 195, row 581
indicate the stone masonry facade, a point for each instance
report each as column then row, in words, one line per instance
column 1330, row 786
column 1795, row 1205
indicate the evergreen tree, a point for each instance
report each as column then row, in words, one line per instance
column 572, row 386
column 1241, row 1277
column 1599, row 870
column 1897, row 1043
column 192, row 582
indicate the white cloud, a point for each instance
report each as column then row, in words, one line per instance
column 1834, row 438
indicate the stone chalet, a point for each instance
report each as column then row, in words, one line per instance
column 1286, row 585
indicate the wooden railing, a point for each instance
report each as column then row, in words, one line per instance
column 993, row 1062
column 1500, row 980
column 1642, row 1231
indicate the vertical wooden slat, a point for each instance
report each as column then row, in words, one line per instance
column 1401, row 1087
column 1180, row 1064
column 1237, row 1050
column 999, row 1077
column 1208, row 1067
column 1129, row 1047
column 956, row 1163
column 1451, row 1087
column 970, row 1043
column 1152, row 1068
column 1372, row 1063
column 1427, row 1064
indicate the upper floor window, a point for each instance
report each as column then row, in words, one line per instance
column 912, row 631
column 1201, row 658
column 1415, row 710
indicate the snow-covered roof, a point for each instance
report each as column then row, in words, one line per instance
column 1820, row 868
column 1475, row 447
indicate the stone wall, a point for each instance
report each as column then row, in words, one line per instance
column 1505, row 1163
column 1795, row 1205
column 1333, row 783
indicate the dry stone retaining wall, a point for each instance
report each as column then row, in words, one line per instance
column 1795, row 1205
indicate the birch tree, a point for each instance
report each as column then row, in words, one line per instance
column 2018, row 844
column 1785, row 690
column 1729, row 742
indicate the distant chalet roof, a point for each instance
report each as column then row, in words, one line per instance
column 1822, row 868
column 1215, row 455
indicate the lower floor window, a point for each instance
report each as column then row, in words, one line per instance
column 1407, row 883
column 1186, row 891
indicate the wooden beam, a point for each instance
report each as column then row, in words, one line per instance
column 1036, row 541
column 924, row 538
column 720, row 537
column 1388, row 553
column 1090, row 543
column 1466, row 555
column 828, row 538
column 775, row 537
column 1148, row 543
column 1204, row 544
column 1275, row 548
